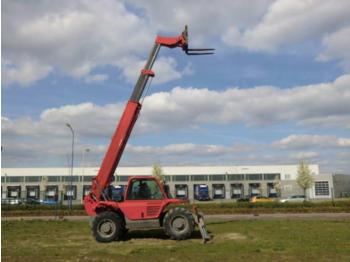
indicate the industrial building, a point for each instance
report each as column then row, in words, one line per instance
column 223, row 182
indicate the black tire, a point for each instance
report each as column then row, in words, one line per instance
column 178, row 223
column 107, row 226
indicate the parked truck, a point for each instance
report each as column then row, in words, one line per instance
column 201, row 192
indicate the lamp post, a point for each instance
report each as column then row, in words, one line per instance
column 71, row 170
column 86, row 150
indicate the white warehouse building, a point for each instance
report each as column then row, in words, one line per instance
column 223, row 182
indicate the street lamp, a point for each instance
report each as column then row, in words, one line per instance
column 86, row 150
column 70, row 196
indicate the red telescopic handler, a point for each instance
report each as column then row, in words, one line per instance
column 145, row 197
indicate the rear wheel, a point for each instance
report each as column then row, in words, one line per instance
column 178, row 223
column 107, row 226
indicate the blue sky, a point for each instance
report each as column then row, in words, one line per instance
column 276, row 91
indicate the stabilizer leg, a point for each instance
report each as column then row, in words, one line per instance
column 199, row 219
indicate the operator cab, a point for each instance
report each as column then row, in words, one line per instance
column 144, row 189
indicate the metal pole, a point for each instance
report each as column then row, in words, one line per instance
column 86, row 150
column 71, row 171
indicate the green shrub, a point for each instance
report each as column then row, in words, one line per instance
column 208, row 208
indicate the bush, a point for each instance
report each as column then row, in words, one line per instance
column 39, row 207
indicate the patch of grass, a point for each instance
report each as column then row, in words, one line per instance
column 276, row 240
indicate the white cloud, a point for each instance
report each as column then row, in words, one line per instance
column 29, row 140
column 305, row 155
column 205, row 18
column 308, row 141
column 24, row 73
column 185, row 108
column 253, row 106
column 76, row 37
column 97, row 78
column 164, row 69
column 73, row 37
column 337, row 47
column 288, row 21
column 188, row 149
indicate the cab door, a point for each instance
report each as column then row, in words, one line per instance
column 144, row 200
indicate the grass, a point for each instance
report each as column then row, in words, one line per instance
column 275, row 240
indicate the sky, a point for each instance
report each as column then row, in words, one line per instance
column 277, row 91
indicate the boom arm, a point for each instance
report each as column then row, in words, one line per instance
column 131, row 111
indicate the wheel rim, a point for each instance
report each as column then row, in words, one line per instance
column 106, row 228
column 179, row 223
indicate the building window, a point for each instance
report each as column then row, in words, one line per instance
column 180, row 178
column 88, row 178
column 15, row 179
column 253, row 176
column 217, row 177
column 272, row 176
column 167, row 178
column 287, row 176
column 123, row 178
column 199, row 178
column 68, row 178
column 33, row 178
column 53, row 178
column 321, row 188
column 3, row 179
column 235, row 177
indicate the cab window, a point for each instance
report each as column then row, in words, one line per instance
column 144, row 190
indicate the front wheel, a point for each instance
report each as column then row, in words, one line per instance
column 107, row 226
column 178, row 223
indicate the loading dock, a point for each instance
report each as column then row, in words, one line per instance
column 51, row 193
column 201, row 192
column 254, row 189
column 237, row 191
column 33, row 192
column 71, row 193
column 218, row 191
column 271, row 190
column 181, row 191
column 14, row 192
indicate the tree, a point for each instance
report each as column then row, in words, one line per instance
column 157, row 171
column 304, row 179
column 262, row 189
column 43, row 186
column 277, row 186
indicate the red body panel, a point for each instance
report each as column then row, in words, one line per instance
column 134, row 209
column 171, row 42
column 145, row 209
